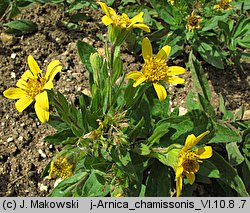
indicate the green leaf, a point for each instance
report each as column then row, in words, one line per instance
column 60, row 137
column 93, row 187
column 164, row 11
column 20, row 27
column 24, row 3
column 84, row 52
column 208, row 169
column 229, row 175
column 223, row 25
column 199, row 78
column 194, row 122
column 234, row 155
column 213, row 22
column 207, row 107
column 211, row 54
column 68, row 187
column 4, row 4
column 224, row 134
column 160, row 108
column 79, row 17
column 159, row 182
column 57, row 123
column 245, row 173
column 192, row 101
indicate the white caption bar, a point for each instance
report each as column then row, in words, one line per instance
column 112, row 205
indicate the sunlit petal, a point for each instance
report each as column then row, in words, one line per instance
column 23, row 103
column 49, row 85
column 139, row 81
column 42, row 107
column 105, row 8
column 137, row 18
column 179, row 171
column 147, row 51
column 202, row 136
column 179, row 181
column 27, row 75
column 15, row 93
column 190, row 142
column 204, row 152
column 34, row 68
column 176, row 70
column 21, row 84
column 161, row 91
column 50, row 68
column 163, row 53
column 107, row 21
column 134, row 75
column 143, row 27
column 174, row 80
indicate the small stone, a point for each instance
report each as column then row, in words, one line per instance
column 13, row 75
column 182, row 111
column 20, row 138
column 31, row 174
column 13, row 55
column 42, row 187
column 10, row 140
column 43, row 155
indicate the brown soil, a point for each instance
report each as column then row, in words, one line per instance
column 23, row 152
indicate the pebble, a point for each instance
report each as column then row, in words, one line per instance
column 41, row 152
column 42, row 187
column 13, row 55
column 13, row 75
column 10, row 140
column 20, row 138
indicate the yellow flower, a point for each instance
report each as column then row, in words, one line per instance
column 156, row 70
column 61, row 167
column 122, row 21
column 171, row 1
column 193, row 21
column 32, row 87
column 223, row 5
column 189, row 159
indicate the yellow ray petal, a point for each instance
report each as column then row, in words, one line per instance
column 174, row 80
column 134, row 75
column 49, row 85
column 190, row 142
column 34, row 68
column 107, row 21
column 53, row 73
column 15, row 93
column 105, row 8
column 179, row 171
column 142, row 27
column 42, row 107
column 202, row 136
column 176, row 70
column 191, row 178
column 50, row 68
column 147, row 51
column 21, row 84
column 23, row 103
column 27, row 75
column 161, row 91
column 163, row 53
column 139, row 81
column 179, row 181
column 205, row 152
column 137, row 18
